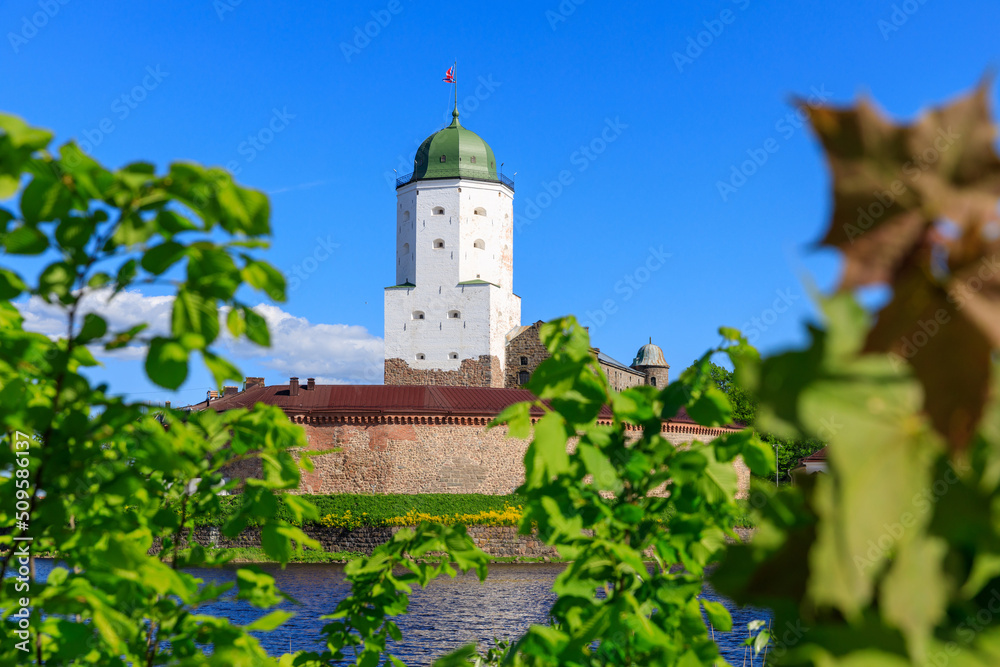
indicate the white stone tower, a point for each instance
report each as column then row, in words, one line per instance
column 448, row 314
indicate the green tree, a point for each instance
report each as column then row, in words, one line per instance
column 743, row 402
column 112, row 488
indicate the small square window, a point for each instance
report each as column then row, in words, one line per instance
column 444, row 158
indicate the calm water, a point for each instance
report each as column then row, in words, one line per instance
column 446, row 615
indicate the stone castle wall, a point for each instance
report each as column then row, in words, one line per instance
column 457, row 457
column 482, row 372
column 525, row 345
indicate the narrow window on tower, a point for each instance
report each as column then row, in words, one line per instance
column 418, row 314
column 444, row 158
column 439, row 243
column 453, row 355
column 420, row 356
column 454, row 314
column 480, row 211
column 524, row 361
column 479, row 243
column 438, row 210
column 652, row 381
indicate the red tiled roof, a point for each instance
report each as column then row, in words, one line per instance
column 387, row 399
column 818, row 455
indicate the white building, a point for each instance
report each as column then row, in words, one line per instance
column 447, row 316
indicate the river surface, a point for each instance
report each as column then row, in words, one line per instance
column 448, row 614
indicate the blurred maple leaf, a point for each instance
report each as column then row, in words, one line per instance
column 893, row 187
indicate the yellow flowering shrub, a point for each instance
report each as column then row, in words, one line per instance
column 509, row 516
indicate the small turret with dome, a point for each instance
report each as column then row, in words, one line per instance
column 650, row 360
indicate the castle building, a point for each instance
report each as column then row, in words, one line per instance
column 452, row 317
column 456, row 353
column 447, row 316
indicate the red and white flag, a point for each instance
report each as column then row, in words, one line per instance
column 450, row 75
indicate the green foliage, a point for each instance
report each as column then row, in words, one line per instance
column 788, row 451
column 372, row 509
column 602, row 504
column 892, row 558
column 110, row 486
column 743, row 402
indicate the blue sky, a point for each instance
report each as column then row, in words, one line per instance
column 648, row 108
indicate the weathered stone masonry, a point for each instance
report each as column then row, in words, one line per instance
column 449, row 455
column 482, row 372
column 414, row 439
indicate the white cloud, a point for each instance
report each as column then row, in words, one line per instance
column 331, row 353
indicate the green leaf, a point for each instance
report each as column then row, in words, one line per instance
column 167, row 362
column 221, row 369
column 44, row 199
column 123, row 338
column 126, row 274
column 161, row 257
column 600, row 467
column 194, row 316
column 173, row 222
column 235, row 323
column 718, row 615
column 269, row 622
column 57, row 278
column 25, row 240
column 75, row 232
column 518, row 420
column 93, row 327
column 11, row 285
column 711, row 408
column 458, row 658
column 730, row 334
column 266, row 278
column 914, row 595
column 550, row 443
column 256, row 327
column 759, row 457
column 22, row 135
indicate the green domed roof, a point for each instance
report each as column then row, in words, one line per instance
column 454, row 152
column 649, row 355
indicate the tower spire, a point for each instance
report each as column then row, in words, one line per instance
column 454, row 114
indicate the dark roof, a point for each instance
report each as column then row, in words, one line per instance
column 386, row 399
column 818, row 455
column 611, row 361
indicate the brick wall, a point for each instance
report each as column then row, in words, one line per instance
column 482, row 372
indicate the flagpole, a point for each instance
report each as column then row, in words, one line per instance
column 456, row 84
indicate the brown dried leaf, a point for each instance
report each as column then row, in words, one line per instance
column 975, row 290
column 948, row 350
column 892, row 182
